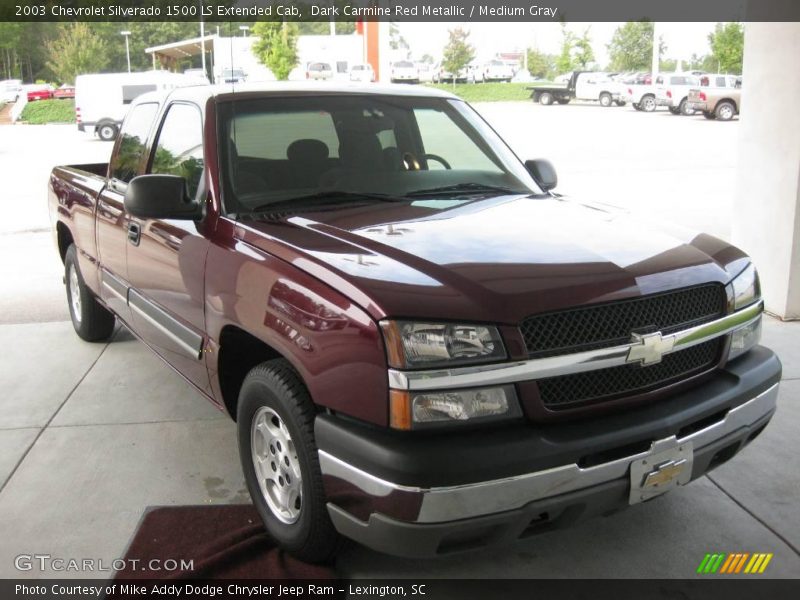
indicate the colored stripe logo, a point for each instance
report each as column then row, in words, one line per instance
column 734, row 563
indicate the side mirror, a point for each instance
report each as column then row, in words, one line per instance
column 160, row 197
column 543, row 172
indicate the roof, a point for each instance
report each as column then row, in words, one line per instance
column 200, row 93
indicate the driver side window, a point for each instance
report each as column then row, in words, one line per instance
column 179, row 147
column 442, row 137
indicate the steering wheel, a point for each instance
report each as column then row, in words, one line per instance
column 439, row 159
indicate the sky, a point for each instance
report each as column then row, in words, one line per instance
column 682, row 39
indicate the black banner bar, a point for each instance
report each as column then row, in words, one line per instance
column 401, row 10
column 733, row 588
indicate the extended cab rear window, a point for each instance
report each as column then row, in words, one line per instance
column 133, row 141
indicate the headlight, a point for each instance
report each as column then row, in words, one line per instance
column 416, row 410
column 746, row 288
column 412, row 345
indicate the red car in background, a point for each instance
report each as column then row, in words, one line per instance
column 40, row 92
column 65, row 91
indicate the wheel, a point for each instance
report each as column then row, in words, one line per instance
column 619, row 102
column 546, row 98
column 648, row 104
column 563, row 100
column 674, row 110
column 107, row 132
column 709, row 115
column 92, row 321
column 636, row 106
column 275, row 421
column 605, row 99
column 725, row 111
column 685, row 109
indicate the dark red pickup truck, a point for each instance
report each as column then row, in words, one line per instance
column 425, row 348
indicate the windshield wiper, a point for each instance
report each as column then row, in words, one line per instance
column 324, row 197
column 469, row 188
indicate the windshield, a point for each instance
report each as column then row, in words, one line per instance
column 339, row 146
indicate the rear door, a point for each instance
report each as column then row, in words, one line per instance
column 112, row 221
column 167, row 261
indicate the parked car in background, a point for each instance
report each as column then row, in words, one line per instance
column 319, row 71
column 497, row 70
column 672, row 91
column 582, row 85
column 639, row 91
column 442, row 75
column 229, row 75
column 39, row 92
column 720, row 80
column 425, row 71
column 722, row 103
column 10, row 90
column 65, row 91
column 475, row 73
column 404, row 71
column 362, row 72
column 102, row 99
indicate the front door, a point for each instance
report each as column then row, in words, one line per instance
column 166, row 260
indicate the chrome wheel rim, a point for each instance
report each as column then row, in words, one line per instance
column 649, row 104
column 276, row 465
column 725, row 112
column 74, row 293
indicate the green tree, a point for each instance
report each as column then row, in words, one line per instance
column 564, row 62
column 276, row 47
column 458, row 52
column 583, row 52
column 540, row 64
column 631, row 47
column 727, row 46
column 78, row 49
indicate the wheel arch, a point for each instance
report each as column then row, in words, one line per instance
column 64, row 239
column 240, row 351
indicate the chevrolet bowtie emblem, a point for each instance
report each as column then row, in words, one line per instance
column 648, row 349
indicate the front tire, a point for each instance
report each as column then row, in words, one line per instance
column 605, row 99
column 91, row 320
column 275, row 420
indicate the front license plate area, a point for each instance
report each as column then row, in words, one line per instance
column 661, row 471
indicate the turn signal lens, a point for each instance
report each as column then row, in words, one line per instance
column 744, row 338
column 416, row 410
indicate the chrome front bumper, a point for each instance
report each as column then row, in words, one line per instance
column 438, row 504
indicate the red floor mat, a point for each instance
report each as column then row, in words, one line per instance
column 224, row 542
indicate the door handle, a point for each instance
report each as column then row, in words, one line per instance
column 134, row 233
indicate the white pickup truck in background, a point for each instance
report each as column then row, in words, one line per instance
column 672, row 91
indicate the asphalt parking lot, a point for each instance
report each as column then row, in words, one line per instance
column 92, row 434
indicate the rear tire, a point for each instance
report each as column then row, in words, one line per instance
column 685, row 109
column 636, row 106
column 725, row 111
column 605, row 99
column 91, row 320
column 674, row 111
column 279, row 457
column 648, row 103
column 709, row 115
column 619, row 102
column 563, row 100
column 546, row 98
column 107, row 132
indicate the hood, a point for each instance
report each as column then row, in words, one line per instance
column 494, row 260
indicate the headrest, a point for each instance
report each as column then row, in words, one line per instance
column 307, row 150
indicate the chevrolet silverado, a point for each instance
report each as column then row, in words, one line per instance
column 424, row 347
